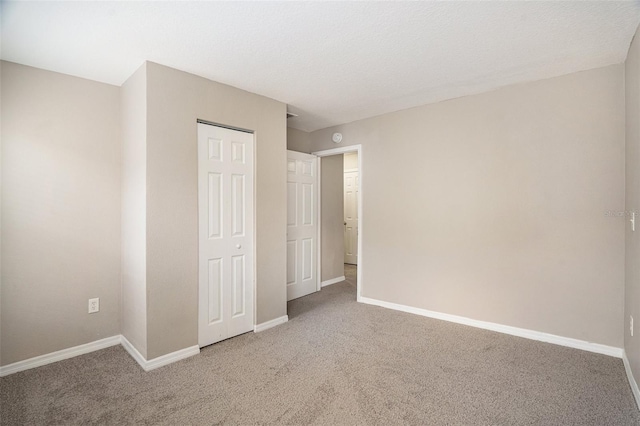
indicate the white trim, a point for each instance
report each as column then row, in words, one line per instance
column 351, row 148
column 506, row 329
column 172, row 357
column 359, row 279
column 160, row 361
column 270, row 324
column 319, row 236
column 350, row 170
column 333, row 281
column 632, row 381
column 49, row 358
column 97, row 345
column 340, row 150
column 255, row 228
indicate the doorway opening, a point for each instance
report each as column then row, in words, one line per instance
column 351, row 238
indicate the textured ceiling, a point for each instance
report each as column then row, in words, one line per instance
column 331, row 62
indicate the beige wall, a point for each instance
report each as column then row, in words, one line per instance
column 175, row 101
column 332, row 195
column 1, row 213
column 350, row 160
column 133, row 108
column 60, row 211
column 632, row 263
column 297, row 140
column 498, row 211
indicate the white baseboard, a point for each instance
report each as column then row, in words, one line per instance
column 332, row 281
column 632, row 381
column 137, row 356
column 161, row 360
column 514, row 331
column 41, row 360
column 270, row 324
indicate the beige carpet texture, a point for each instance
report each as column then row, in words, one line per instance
column 336, row 362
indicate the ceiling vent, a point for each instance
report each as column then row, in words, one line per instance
column 290, row 115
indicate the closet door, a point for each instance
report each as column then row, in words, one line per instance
column 226, row 234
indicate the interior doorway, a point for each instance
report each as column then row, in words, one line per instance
column 357, row 213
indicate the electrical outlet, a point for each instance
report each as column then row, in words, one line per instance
column 94, row 305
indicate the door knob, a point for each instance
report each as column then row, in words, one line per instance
column 238, row 246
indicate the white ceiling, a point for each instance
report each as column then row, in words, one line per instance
column 331, row 62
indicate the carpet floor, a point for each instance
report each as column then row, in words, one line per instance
column 335, row 362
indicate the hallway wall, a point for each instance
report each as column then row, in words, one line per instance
column 332, row 218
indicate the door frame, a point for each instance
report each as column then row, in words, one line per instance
column 255, row 217
column 327, row 153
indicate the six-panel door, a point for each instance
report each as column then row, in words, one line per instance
column 225, row 208
column 302, row 226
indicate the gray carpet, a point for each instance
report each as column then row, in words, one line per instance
column 335, row 362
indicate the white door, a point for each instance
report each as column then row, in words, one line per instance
column 351, row 188
column 225, row 208
column 302, row 224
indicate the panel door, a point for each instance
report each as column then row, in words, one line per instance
column 302, row 226
column 226, row 234
column 351, row 189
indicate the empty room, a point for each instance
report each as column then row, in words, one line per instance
column 340, row 213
